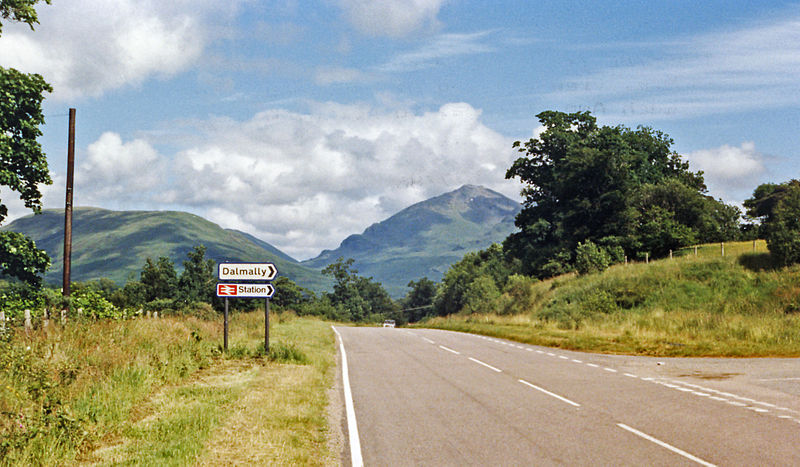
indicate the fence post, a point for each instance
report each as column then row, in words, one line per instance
column 695, row 251
column 670, row 254
column 647, row 258
column 626, row 260
column 63, row 316
column 28, row 324
column 2, row 322
column 46, row 318
column 722, row 244
column 155, row 315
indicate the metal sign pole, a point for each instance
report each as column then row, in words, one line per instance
column 225, row 341
column 266, row 326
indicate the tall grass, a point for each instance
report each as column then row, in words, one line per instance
column 154, row 391
column 704, row 305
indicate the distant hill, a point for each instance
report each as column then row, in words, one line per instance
column 115, row 244
column 424, row 239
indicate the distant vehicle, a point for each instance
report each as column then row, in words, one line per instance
column 389, row 323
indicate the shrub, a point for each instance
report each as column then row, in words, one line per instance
column 590, row 258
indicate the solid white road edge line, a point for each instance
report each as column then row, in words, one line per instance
column 352, row 426
column 563, row 399
column 665, row 445
column 486, row 365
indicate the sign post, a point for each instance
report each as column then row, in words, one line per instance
column 247, row 272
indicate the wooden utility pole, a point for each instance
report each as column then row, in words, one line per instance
column 68, row 205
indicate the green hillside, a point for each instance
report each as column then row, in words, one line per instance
column 115, row 244
column 740, row 304
column 424, row 239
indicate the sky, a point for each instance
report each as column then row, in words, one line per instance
column 303, row 122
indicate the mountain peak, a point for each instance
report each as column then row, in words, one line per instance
column 423, row 239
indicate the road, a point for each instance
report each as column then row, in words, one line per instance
column 430, row 397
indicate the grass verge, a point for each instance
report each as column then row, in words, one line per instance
column 738, row 305
column 160, row 392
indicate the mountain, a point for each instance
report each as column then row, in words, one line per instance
column 424, row 239
column 115, row 244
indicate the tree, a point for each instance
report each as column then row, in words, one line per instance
column 777, row 208
column 288, row 294
column 22, row 163
column 198, row 278
column 605, row 184
column 159, row 279
column 20, row 258
column 418, row 303
column 478, row 272
column 22, row 11
column 359, row 297
column 783, row 232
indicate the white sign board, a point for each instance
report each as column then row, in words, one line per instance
column 245, row 290
column 247, row 271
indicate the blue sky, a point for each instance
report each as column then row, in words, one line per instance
column 302, row 122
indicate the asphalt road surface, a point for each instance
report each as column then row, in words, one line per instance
column 429, row 397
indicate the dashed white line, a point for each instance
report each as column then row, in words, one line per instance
column 630, row 375
column 449, row 350
column 593, row 365
column 563, row 357
column 486, row 365
column 610, row 370
column 665, row 445
column 563, row 399
column 428, row 340
column 551, row 354
column 577, row 361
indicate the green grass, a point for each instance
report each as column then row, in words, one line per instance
column 705, row 305
column 153, row 392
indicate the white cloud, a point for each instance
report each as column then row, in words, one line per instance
column 441, row 47
column 123, row 174
column 746, row 69
column 392, row 18
column 305, row 181
column 87, row 47
column 730, row 172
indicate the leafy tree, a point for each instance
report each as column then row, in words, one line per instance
column 198, row 278
column 22, row 163
column 605, row 184
column 20, row 258
column 486, row 270
column 360, row 298
column 22, row 11
column 159, row 279
column 418, row 302
column 778, row 208
column 288, row 294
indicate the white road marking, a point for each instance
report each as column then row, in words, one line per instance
column 352, row 426
column 577, row 361
column 593, row 365
column 563, row 357
column 665, row 445
column 449, row 350
column 539, row 351
column 611, row 370
column 563, row 399
column 630, row 375
column 551, row 354
column 486, row 365
column 428, row 340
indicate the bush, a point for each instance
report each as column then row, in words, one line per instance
column 590, row 258
column 94, row 304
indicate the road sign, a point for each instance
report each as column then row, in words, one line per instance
column 247, row 271
column 245, row 290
